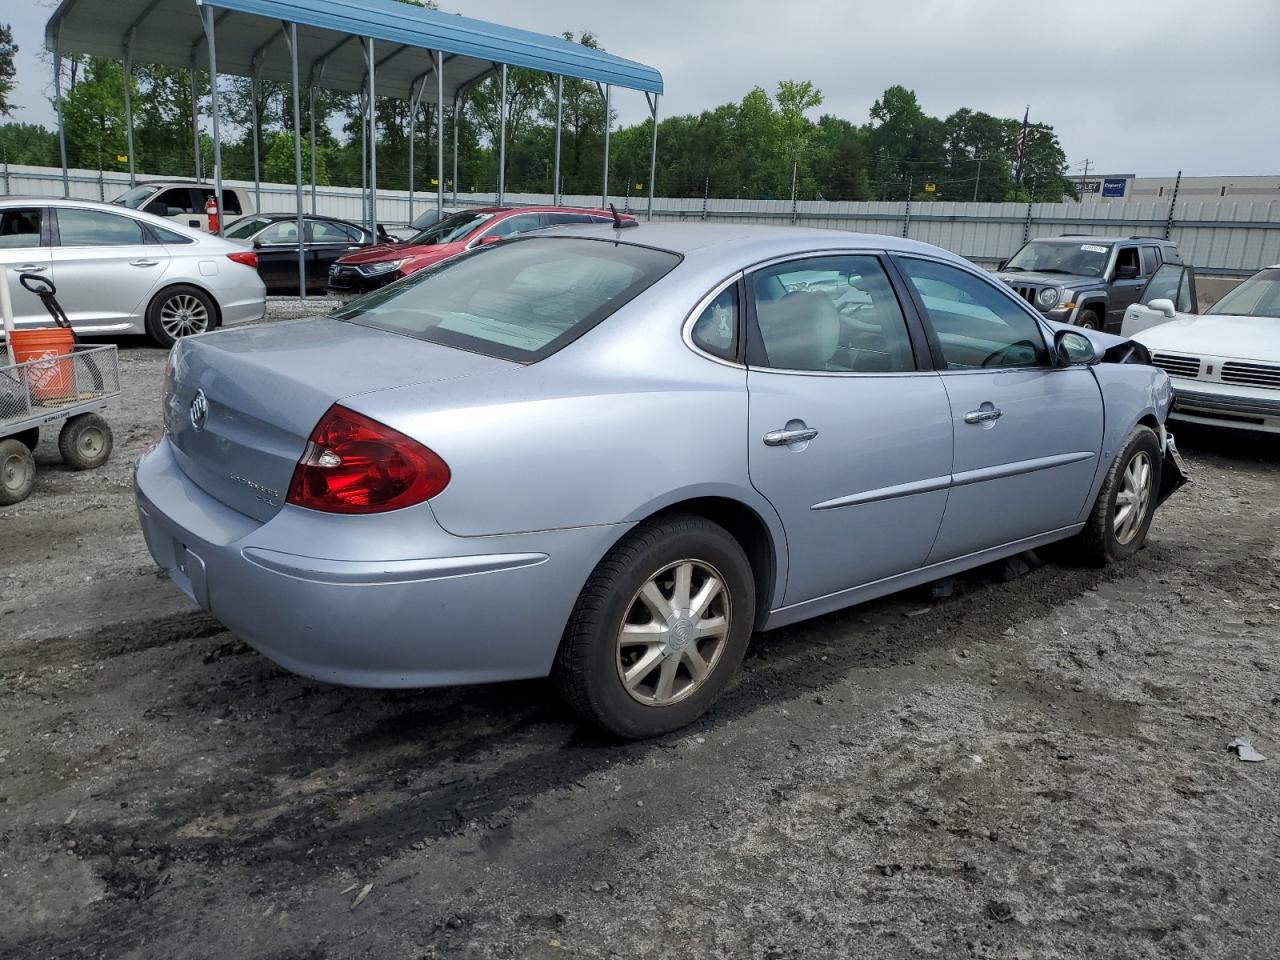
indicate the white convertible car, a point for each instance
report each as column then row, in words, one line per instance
column 1224, row 363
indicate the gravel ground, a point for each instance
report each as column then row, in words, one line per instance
column 1030, row 769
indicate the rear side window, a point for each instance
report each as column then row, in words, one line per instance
column 168, row 236
column 1150, row 260
column 93, row 228
column 230, row 201
column 521, row 301
column 716, row 329
column 20, row 227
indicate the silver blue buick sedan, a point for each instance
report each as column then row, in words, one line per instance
column 610, row 456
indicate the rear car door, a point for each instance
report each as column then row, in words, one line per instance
column 1027, row 435
column 848, row 437
column 1173, row 282
column 105, row 267
column 25, row 248
column 1127, row 281
column 327, row 240
column 277, row 247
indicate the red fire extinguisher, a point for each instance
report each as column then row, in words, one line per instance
column 211, row 211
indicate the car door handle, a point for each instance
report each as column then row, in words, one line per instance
column 982, row 416
column 780, row 438
column 143, row 263
column 31, row 268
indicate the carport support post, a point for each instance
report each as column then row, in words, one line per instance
column 57, row 100
column 456, row 103
column 604, row 189
column 209, row 33
column 414, row 98
column 373, row 143
column 555, row 182
column 128, row 105
column 502, row 137
column 253, row 121
column 653, row 152
column 439, row 135
column 195, row 123
column 311, row 116
column 291, row 32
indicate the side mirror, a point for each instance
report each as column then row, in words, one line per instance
column 1002, row 264
column 1126, row 272
column 1164, row 306
column 1073, row 347
column 489, row 241
column 257, row 244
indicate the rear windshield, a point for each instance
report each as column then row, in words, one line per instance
column 518, row 300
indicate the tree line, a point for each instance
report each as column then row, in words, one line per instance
column 763, row 147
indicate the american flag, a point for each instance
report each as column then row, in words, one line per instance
column 1018, row 146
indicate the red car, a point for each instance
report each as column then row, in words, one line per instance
column 377, row 266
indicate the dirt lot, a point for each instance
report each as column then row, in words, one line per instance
column 1030, row 769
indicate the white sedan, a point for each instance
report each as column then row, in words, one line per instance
column 122, row 271
column 1224, row 363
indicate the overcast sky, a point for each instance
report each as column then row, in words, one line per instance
column 1145, row 88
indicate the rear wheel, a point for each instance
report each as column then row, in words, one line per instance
column 178, row 312
column 17, row 471
column 659, row 629
column 85, row 441
column 1121, row 516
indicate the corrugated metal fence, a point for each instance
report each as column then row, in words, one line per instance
column 1217, row 236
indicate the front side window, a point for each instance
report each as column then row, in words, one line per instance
column 514, row 225
column 280, row 232
column 246, row 228
column 1259, row 296
column 94, row 228
column 837, row 314
column 519, row 301
column 20, row 227
column 1127, row 266
column 1170, row 282
column 977, row 325
column 716, row 329
column 1077, row 258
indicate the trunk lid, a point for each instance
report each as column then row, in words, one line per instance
column 263, row 389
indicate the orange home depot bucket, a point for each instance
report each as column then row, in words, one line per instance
column 54, row 379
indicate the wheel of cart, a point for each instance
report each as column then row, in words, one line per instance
column 46, row 377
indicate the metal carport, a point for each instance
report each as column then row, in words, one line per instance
column 373, row 47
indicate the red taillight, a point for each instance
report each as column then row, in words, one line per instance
column 356, row 465
column 249, row 258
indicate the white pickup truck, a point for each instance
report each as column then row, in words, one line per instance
column 182, row 201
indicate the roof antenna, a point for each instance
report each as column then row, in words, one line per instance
column 618, row 222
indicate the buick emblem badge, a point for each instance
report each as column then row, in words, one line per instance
column 199, row 410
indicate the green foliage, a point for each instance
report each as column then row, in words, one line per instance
column 749, row 149
column 8, row 51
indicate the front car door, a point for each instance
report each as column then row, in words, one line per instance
column 25, row 248
column 105, row 268
column 848, row 437
column 1126, row 282
column 1173, row 282
column 510, row 227
column 327, row 240
column 1027, row 434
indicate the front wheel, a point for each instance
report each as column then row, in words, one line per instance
column 1089, row 320
column 85, row 441
column 17, row 471
column 659, row 629
column 1121, row 517
column 178, row 312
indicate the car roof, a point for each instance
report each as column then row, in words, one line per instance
column 749, row 239
column 1075, row 237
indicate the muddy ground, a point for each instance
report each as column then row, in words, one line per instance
column 1030, row 769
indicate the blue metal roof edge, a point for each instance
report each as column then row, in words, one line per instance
column 451, row 33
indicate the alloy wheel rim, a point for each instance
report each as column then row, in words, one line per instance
column 183, row 315
column 1132, row 497
column 675, row 630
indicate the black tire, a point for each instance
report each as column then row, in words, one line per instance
column 1088, row 319
column 17, row 471
column 1098, row 543
column 85, row 441
column 170, row 295
column 29, row 438
column 590, row 661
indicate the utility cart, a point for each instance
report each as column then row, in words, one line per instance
column 45, row 378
